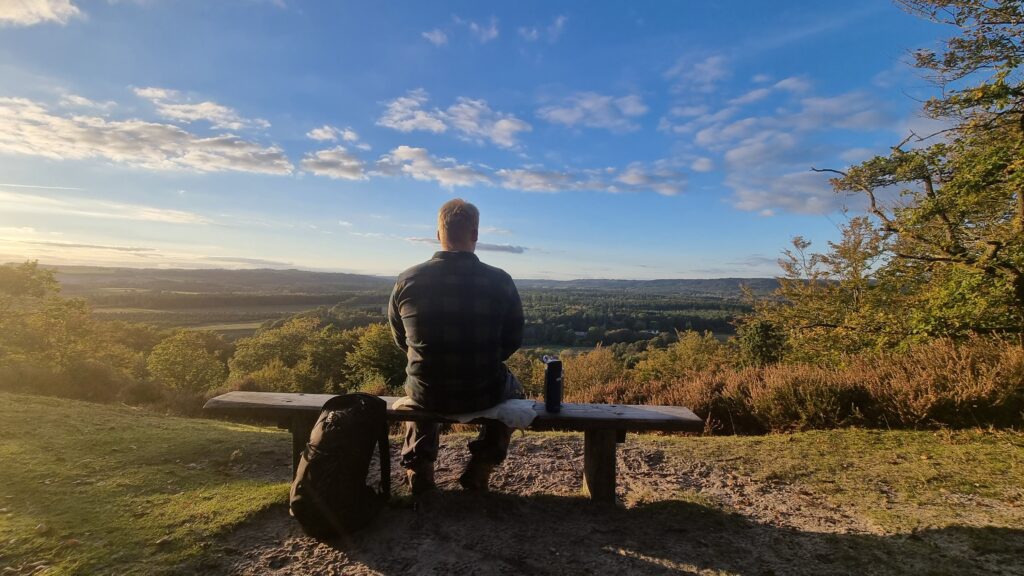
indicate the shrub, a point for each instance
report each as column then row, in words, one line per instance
column 977, row 382
column 375, row 356
column 529, row 370
column 273, row 377
column 183, row 363
column 802, row 397
column 692, row 354
column 584, row 370
column 761, row 342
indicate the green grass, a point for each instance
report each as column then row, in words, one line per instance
column 900, row 480
column 92, row 489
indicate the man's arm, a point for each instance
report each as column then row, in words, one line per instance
column 395, row 319
column 512, row 324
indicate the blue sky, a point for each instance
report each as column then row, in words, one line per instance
column 615, row 140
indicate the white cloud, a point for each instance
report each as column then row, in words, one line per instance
column 700, row 76
column 750, row 97
column 484, row 246
column 716, row 135
column 27, row 127
column 475, row 120
column 802, row 192
column 593, row 110
column 19, row 202
column 485, row 32
column 18, row 230
column 260, row 262
column 793, row 84
column 852, row 110
column 536, row 180
column 324, row 133
column 697, row 117
column 552, row 32
column 420, row 165
column 219, row 116
column 761, row 78
column 75, row 245
column 30, row 12
column 344, row 223
column 335, row 163
column 157, row 93
column 495, row 230
column 472, row 119
column 437, row 37
column 766, row 147
column 702, row 164
column 76, row 101
column 406, row 114
column 556, row 28
column 766, row 158
column 328, row 133
column 349, row 135
column 529, row 34
column 659, row 176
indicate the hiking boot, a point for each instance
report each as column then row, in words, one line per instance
column 476, row 475
column 421, row 479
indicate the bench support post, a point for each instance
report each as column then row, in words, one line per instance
column 300, row 427
column 599, row 464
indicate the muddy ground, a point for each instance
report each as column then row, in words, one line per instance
column 674, row 517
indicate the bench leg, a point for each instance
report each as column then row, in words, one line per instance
column 599, row 464
column 300, row 428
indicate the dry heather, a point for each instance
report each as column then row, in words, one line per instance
column 979, row 382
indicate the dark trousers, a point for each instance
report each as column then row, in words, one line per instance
column 490, row 446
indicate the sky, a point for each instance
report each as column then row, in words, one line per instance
column 636, row 139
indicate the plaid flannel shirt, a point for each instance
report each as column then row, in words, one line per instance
column 458, row 320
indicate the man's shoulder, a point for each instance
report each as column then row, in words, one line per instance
column 495, row 272
column 415, row 270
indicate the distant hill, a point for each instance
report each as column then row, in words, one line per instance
column 93, row 279
column 719, row 287
column 96, row 279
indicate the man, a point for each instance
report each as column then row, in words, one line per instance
column 458, row 320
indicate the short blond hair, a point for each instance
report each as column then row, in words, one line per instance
column 456, row 221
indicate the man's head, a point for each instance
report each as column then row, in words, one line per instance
column 458, row 226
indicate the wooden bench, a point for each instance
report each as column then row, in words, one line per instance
column 603, row 425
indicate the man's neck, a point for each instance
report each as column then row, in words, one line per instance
column 450, row 248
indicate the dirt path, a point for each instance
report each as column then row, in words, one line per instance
column 677, row 518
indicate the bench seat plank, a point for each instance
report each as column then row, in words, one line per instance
column 275, row 406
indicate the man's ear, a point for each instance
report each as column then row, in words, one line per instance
column 438, row 235
column 476, row 234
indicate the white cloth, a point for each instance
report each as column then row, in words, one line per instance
column 513, row 413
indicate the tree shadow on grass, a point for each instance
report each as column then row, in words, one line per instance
column 507, row 534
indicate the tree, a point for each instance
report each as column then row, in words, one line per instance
column 304, row 354
column 832, row 303
column 375, row 357
column 951, row 243
column 761, row 342
column 183, row 363
column 27, row 279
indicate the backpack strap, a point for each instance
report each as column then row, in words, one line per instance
column 384, row 448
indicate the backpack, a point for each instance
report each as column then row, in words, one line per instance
column 329, row 495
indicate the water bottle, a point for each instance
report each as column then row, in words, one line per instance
column 552, row 384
